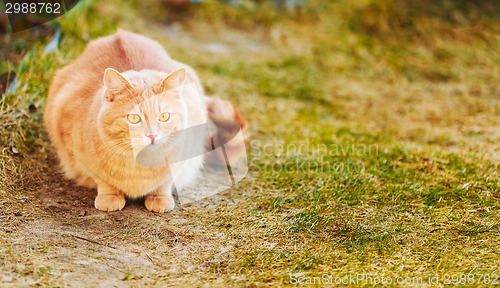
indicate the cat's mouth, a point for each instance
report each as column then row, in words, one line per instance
column 158, row 143
column 153, row 146
column 146, row 145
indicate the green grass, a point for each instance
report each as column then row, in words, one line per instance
column 374, row 142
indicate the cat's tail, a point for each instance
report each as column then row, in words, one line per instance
column 218, row 109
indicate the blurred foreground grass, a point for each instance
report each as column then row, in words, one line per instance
column 375, row 134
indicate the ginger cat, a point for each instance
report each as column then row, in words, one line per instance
column 122, row 99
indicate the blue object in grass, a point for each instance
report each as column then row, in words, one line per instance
column 54, row 43
column 12, row 87
column 288, row 4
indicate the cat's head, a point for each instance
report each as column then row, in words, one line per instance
column 142, row 109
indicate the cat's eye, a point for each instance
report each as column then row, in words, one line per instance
column 133, row 118
column 164, row 117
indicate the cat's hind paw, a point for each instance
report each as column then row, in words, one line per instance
column 160, row 204
column 109, row 202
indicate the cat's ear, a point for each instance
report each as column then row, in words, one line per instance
column 175, row 79
column 115, row 84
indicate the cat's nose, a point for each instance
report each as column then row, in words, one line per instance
column 152, row 137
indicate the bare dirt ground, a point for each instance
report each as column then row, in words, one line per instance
column 56, row 237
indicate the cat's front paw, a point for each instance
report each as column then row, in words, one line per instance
column 160, row 204
column 109, row 202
